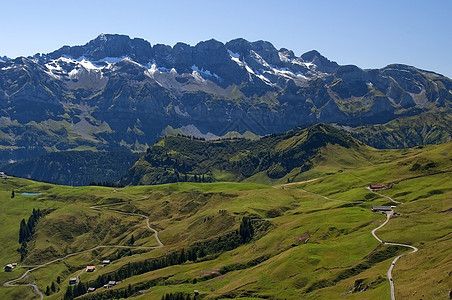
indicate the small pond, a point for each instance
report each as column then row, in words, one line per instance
column 31, row 194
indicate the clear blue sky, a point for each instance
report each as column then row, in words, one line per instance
column 370, row 34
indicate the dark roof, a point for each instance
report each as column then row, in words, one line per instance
column 384, row 208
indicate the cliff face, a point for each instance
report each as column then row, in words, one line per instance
column 116, row 92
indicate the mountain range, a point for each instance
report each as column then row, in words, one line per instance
column 119, row 93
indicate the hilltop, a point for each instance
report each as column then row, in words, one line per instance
column 274, row 158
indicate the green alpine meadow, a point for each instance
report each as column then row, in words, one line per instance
column 305, row 233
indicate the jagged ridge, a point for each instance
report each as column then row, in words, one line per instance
column 120, row 93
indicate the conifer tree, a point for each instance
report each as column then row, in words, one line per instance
column 23, row 231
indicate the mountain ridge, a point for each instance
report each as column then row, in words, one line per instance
column 118, row 93
column 273, row 158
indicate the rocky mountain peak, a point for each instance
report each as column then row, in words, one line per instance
column 322, row 63
column 109, row 45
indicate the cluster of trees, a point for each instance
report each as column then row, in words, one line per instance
column 107, row 184
column 116, row 293
column 74, row 291
column 200, row 250
column 178, row 296
column 27, row 229
column 246, row 229
column 53, row 288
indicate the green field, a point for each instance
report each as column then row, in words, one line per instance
column 304, row 247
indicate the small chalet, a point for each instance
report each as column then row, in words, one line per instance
column 90, row 268
column 3, row 175
column 376, row 186
column 382, row 209
column 73, row 280
column 110, row 284
column 91, row 289
column 106, row 262
column 8, row 267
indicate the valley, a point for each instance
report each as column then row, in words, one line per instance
column 310, row 238
column 194, row 150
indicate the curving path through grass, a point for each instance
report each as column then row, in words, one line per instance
column 33, row 285
column 156, row 235
column 384, row 196
column 388, row 217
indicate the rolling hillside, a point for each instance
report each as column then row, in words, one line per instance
column 274, row 158
column 241, row 240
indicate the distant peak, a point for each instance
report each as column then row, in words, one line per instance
column 109, row 45
column 320, row 61
column 311, row 55
column 102, row 37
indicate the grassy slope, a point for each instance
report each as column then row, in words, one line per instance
column 432, row 127
column 188, row 212
column 272, row 159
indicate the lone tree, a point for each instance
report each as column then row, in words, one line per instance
column 246, row 229
column 12, row 194
column 132, row 240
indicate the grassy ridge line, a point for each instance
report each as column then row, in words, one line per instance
column 427, row 128
column 181, row 159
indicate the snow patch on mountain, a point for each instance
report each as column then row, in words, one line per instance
column 88, row 65
column 284, row 57
column 206, row 73
column 235, row 57
column 300, row 62
column 153, row 68
column 197, row 76
column 68, row 66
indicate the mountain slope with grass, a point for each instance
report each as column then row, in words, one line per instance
column 309, row 239
column 274, row 158
column 433, row 127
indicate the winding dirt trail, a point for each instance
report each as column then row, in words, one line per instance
column 99, row 208
column 33, row 285
column 156, row 235
column 384, row 196
column 388, row 217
